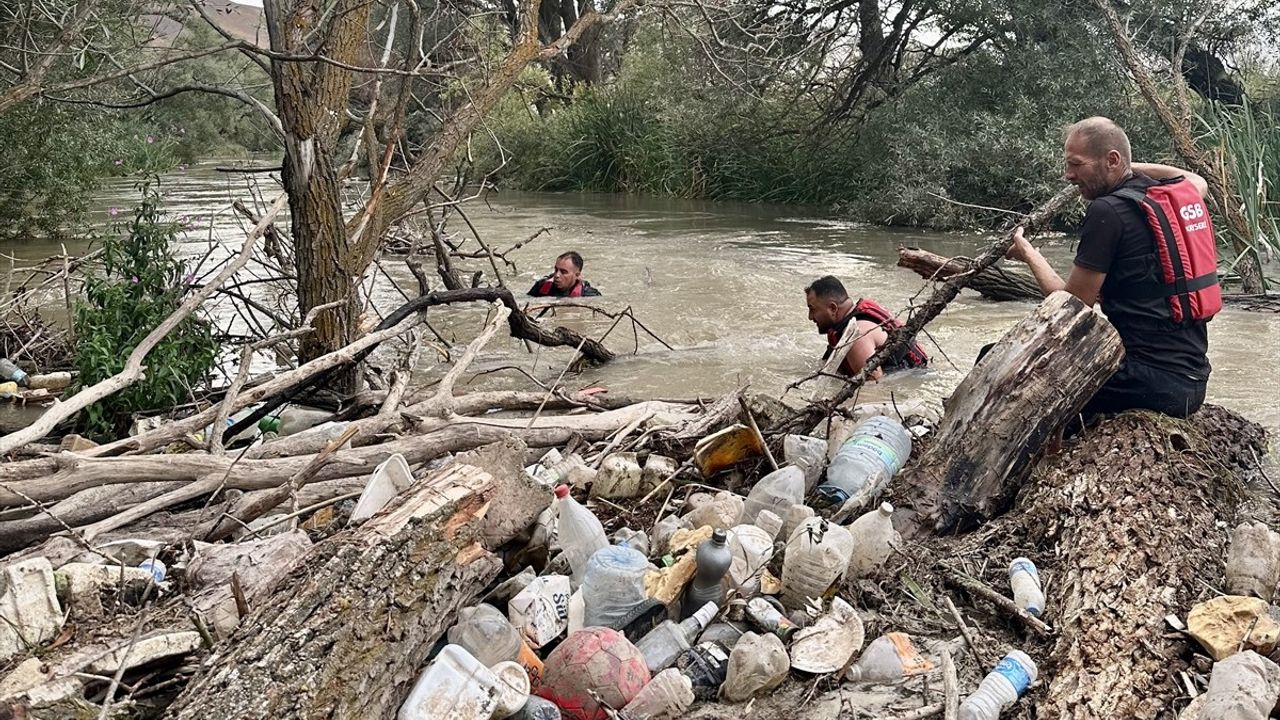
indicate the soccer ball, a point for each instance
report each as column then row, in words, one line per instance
column 593, row 666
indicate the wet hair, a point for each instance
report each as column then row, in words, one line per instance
column 1101, row 135
column 573, row 257
column 829, row 288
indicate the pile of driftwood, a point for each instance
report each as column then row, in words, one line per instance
column 337, row 621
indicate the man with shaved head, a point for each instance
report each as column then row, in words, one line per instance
column 1147, row 252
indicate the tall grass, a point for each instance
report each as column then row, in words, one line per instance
column 1249, row 140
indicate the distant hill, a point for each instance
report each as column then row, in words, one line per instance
column 244, row 22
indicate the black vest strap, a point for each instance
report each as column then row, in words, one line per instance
column 1180, row 287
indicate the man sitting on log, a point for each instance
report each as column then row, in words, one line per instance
column 831, row 309
column 565, row 280
column 1146, row 250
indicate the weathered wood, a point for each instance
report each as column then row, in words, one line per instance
column 351, row 627
column 1039, row 375
column 993, row 283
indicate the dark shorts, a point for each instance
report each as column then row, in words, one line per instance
column 1140, row 386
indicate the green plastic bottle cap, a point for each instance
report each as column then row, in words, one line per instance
column 269, row 424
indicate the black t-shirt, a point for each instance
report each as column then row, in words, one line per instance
column 1115, row 239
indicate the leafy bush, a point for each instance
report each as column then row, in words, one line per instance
column 142, row 284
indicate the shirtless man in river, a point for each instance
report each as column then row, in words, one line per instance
column 831, row 310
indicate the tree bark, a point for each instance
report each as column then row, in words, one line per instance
column 993, row 283
column 348, row 632
column 1039, row 375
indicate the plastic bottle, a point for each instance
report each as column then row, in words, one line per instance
column 1253, row 564
column 156, row 568
column 750, row 549
column 765, row 616
column 1024, row 578
column 876, row 451
column 618, row 478
column 455, row 685
column 485, row 632
column 757, row 664
column 796, row 514
column 873, row 541
column 807, row 453
column 613, row 585
column 663, row 644
column 9, row 371
column 889, row 658
column 635, row 539
column 713, row 558
column 579, row 533
column 1001, row 688
column 666, row 697
column 724, row 511
column 769, row 522
column 293, row 420
column 817, row 556
column 776, row 492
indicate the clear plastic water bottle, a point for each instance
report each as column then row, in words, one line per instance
column 663, row 644
column 484, row 631
column 817, row 556
column 613, row 586
column 889, row 658
column 776, row 492
column 714, row 558
column 874, row 453
column 1001, row 688
column 579, row 533
column 9, row 371
column 1024, row 578
column 807, row 453
column 873, row 541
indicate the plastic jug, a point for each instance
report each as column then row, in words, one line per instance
column 713, row 558
column 889, row 658
column 579, row 533
column 455, row 685
column 874, row 453
column 485, row 632
column 873, row 541
column 667, row 696
column 796, row 514
column 618, row 477
column 817, row 556
column 541, row 611
column 750, row 549
column 1253, row 563
column 1001, row 688
column 807, row 453
column 776, row 492
column 757, row 664
column 613, row 586
column 1024, row 579
column 663, row 644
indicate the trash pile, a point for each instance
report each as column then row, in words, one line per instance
column 646, row 586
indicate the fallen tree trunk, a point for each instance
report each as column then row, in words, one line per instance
column 349, row 630
column 1131, row 513
column 993, row 283
column 1039, row 375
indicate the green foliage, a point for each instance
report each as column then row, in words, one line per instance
column 142, row 284
column 1249, row 138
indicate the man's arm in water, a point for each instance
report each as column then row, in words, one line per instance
column 861, row 350
column 1083, row 283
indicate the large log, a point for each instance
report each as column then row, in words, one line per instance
column 993, row 283
column 1036, row 378
column 349, row 630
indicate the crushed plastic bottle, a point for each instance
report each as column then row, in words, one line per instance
column 666, row 642
column 817, row 555
column 485, row 632
column 889, row 658
column 657, row 468
column 635, row 539
column 667, row 696
column 750, row 549
column 769, row 522
column 613, row 586
column 1024, row 579
column 873, row 541
column 796, row 514
column 579, row 533
column 726, row 633
column 807, row 453
column 713, row 558
column 1253, row 562
column 10, row 371
column 1001, row 688
column 722, row 512
column 776, row 492
column 757, row 664
column 618, row 477
column 874, row 453
column 770, row 619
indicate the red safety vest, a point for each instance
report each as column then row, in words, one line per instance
column 546, row 288
column 872, row 311
column 1185, row 246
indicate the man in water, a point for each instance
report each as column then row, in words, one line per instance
column 1147, row 250
column 565, row 281
column 831, row 309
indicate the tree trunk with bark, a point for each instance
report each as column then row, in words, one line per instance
column 1035, row 379
column 348, row 632
column 993, row 283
